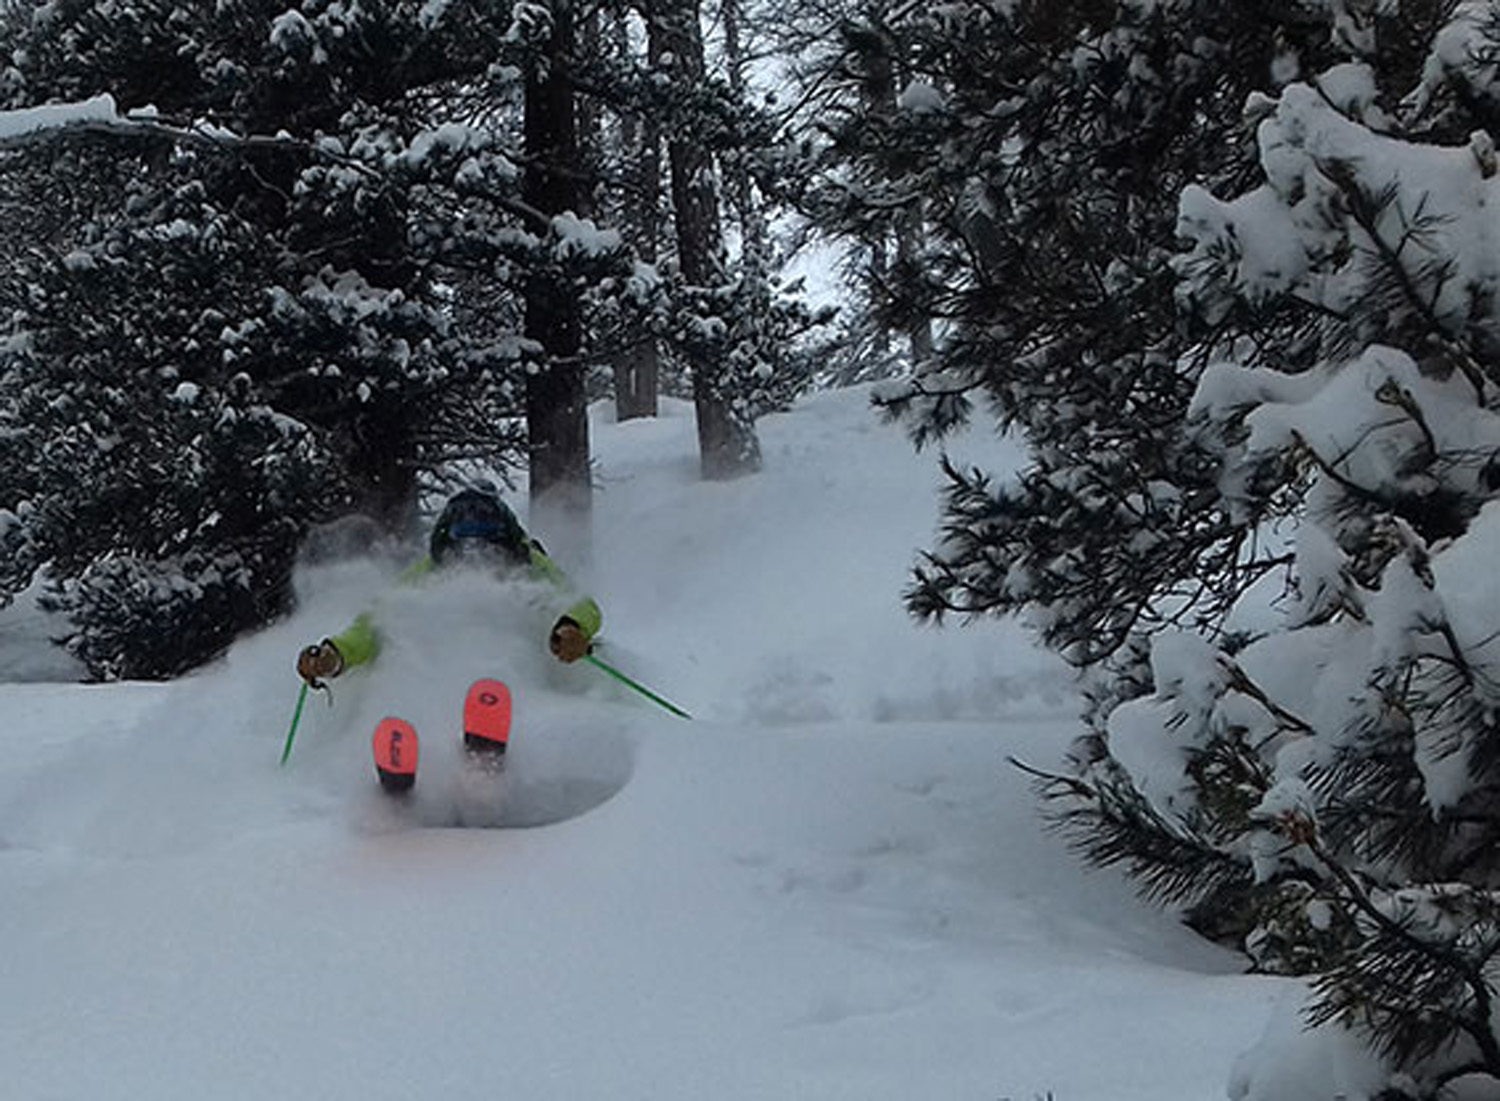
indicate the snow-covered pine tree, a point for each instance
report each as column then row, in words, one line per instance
column 327, row 173
column 1047, row 145
column 556, row 404
column 1339, row 753
column 1263, row 471
column 722, row 320
column 154, row 482
column 637, row 139
column 847, row 64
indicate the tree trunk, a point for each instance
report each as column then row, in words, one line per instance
column 556, row 406
column 909, row 234
column 727, row 446
column 385, row 480
column 879, row 283
column 752, row 224
column 637, row 370
column 637, row 367
column 880, row 96
column 588, row 123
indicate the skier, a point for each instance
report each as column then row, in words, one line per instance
column 476, row 527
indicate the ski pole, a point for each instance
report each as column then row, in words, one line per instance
column 286, row 750
column 641, row 688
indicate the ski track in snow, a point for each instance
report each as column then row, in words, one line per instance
column 830, row 884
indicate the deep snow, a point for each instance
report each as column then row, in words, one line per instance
column 829, row 884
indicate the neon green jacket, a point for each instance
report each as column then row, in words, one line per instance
column 360, row 643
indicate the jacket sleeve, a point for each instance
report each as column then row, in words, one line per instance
column 360, row 641
column 584, row 611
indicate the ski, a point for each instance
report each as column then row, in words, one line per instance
column 395, row 745
column 487, row 714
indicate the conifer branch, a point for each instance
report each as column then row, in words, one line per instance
column 1365, row 211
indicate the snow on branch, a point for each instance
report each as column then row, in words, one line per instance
column 28, row 122
column 100, row 114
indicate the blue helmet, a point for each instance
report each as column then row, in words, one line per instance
column 475, row 520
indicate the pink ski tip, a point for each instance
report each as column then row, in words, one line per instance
column 395, row 745
column 487, row 714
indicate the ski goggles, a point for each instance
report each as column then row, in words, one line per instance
column 486, row 530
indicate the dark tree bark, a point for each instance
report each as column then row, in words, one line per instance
column 753, row 231
column 727, row 446
column 384, row 480
column 637, row 367
column 879, row 90
column 589, row 123
column 556, row 405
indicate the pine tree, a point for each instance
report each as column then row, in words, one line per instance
column 1365, row 802
column 848, row 62
column 163, row 505
column 715, row 316
column 556, row 405
column 1262, row 470
column 638, row 363
column 1047, row 154
column 726, row 438
column 333, row 222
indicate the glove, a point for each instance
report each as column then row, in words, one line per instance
column 568, row 641
column 318, row 662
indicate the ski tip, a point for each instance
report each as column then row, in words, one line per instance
column 396, row 747
column 489, row 692
column 487, row 715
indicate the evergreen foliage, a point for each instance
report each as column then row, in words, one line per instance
column 325, row 220
column 1047, row 154
column 163, row 499
column 296, row 231
column 1263, row 449
column 1224, row 267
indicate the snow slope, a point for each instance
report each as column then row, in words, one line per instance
column 829, row 884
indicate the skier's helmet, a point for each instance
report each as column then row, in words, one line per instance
column 476, row 523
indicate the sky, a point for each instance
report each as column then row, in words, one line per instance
column 830, row 883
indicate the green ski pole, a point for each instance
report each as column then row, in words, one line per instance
column 286, row 750
column 641, row 688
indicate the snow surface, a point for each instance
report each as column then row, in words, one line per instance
column 829, row 884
